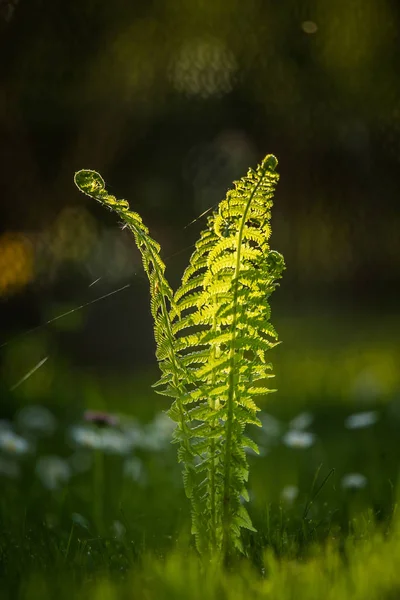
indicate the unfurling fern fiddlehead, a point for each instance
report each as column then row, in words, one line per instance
column 212, row 337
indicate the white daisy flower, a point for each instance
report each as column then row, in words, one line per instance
column 11, row 443
column 354, row 481
column 114, row 442
column 361, row 420
column 84, row 436
column 298, row 439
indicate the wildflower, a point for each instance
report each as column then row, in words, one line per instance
column 302, row 421
column 53, row 471
column 289, row 493
column 361, row 420
column 37, row 419
column 84, row 437
column 12, row 443
column 298, row 439
column 108, row 440
column 102, row 419
column 354, row 481
column 114, row 442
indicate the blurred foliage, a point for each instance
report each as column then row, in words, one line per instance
column 172, row 99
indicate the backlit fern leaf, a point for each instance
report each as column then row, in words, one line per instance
column 173, row 372
column 233, row 272
column 212, row 337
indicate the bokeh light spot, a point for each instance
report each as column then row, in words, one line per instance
column 16, row 262
column 309, row 27
column 203, row 67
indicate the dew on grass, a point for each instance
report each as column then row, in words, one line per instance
column 36, row 419
column 298, row 439
column 11, row 443
column 289, row 493
column 361, row 420
column 301, row 421
column 354, row 481
column 9, row 468
column 53, row 471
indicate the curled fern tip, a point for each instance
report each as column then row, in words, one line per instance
column 89, row 182
column 270, row 162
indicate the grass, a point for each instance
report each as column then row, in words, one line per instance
column 101, row 518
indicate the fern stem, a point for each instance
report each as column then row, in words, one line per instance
column 213, row 466
column 231, row 390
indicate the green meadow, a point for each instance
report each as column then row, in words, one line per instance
column 92, row 503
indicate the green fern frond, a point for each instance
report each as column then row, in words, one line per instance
column 212, row 337
column 173, row 381
column 233, row 272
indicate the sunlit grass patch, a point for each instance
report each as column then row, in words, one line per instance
column 362, row 567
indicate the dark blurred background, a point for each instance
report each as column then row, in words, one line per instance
column 171, row 100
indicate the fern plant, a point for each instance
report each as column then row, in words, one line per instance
column 212, row 337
